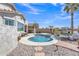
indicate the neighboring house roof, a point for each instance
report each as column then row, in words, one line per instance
column 13, row 7
column 10, row 4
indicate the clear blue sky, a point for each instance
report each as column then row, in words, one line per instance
column 46, row 14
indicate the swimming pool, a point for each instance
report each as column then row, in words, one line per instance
column 41, row 39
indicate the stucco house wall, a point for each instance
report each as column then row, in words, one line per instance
column 8, row 34
column 8, row 37
column 21, row 20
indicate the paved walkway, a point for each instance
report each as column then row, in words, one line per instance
column 62, row 44
column 67, row 45
column 64, row 49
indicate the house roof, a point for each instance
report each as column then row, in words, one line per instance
column 10, row 4
column 13, row 7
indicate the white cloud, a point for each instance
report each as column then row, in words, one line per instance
column 61, row 17
column 32, row 10
column 62, row 7
column 61, row 3
column 54, row 4
column 65, row 17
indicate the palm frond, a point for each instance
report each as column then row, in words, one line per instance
column 71, row 7
column 66, row 9
column 75, row 8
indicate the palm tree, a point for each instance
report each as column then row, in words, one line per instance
column 71, row 8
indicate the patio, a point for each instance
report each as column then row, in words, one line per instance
column 64, row 49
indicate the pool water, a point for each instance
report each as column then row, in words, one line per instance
column 40, row 38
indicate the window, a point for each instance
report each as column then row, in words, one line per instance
column 6, row 22
column 20, row 26
column 9, row 22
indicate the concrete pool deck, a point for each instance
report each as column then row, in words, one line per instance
column 67, row 45
column 49, row 50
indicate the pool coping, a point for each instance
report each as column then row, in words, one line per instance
column 25, row 40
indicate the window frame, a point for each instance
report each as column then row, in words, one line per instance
column 10, row 22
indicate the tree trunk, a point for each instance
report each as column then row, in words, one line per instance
column 72, row 24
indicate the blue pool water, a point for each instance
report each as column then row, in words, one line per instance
column 40, row 38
